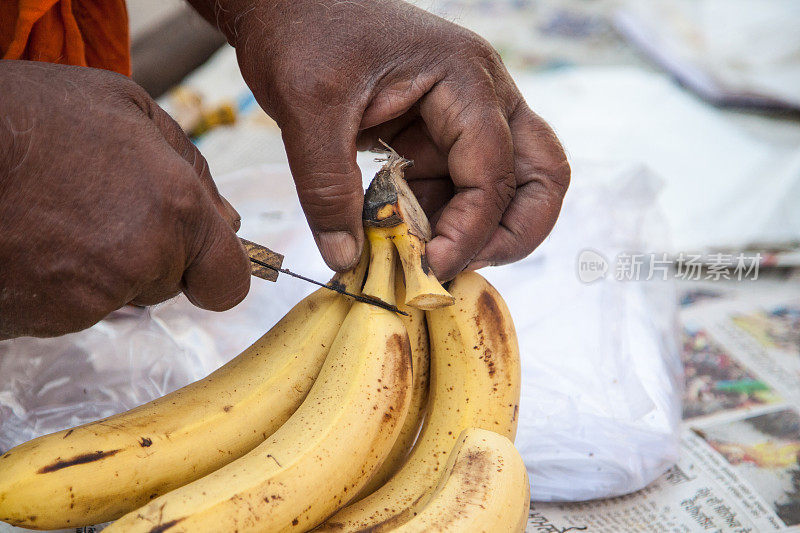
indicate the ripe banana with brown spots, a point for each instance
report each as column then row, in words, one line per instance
column 475, row 382
column 99, row 471
column 484, row 489
column 325, row 452
column 421, row 357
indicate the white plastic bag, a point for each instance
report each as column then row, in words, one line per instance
column 600, row 368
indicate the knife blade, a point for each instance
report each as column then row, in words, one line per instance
column 266, row 264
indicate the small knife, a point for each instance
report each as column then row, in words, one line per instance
column 266, row 264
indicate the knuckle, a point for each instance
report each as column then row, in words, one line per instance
column 184, row 212
column 328, row 197
column 193, row 156
column 505, row 188
column 515, row 243
column 483, row 49
column 183, row 200
column 556, row 165
column 318, row 83
column 550, row 158
column 478, row 51
column 454, row 118
column 131, row 94
column 561, row 174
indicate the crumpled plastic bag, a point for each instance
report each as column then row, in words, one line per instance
column 601, row 372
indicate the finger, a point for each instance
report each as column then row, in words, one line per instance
column 398, row 96
column 466, row 122
column 322, row 157
column 187, row 247
column 414, row 142
column 218, row 273
column 185, row 148
column 370, row 138
column 432, row 194
column 543, row 176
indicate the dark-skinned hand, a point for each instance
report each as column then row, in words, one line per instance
column 103, row 202
column 336, row 76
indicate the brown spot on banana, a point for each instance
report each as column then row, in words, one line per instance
column 490, row 321
column 165, row 526
column 337, row 285
column 490, row 318
column 400, row 343
column 423, row 263
column 77, row 460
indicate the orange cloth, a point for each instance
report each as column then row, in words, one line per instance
column 90, row 33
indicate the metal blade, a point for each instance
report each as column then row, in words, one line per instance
column 360, row 298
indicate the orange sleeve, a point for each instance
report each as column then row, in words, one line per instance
column 91, row 33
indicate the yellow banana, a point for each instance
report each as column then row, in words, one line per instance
column 484, row 489
column 475, row 382
column 420, row 355
column 325, row 452
column 100, row 471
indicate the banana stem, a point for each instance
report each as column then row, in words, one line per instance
column 391, row 208
column 423, row 290
column 380, row 277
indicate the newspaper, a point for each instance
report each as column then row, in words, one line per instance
column 740, row 443
column 730, row 52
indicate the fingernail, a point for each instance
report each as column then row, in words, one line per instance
column 338, row 249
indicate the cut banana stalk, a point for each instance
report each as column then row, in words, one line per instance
column 475, row 382
column 420, row 354
column 392, row 210
column 484, row 489
column 326, row 451
column 99, row 471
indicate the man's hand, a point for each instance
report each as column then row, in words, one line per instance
column 103, row 202
column 339, row 75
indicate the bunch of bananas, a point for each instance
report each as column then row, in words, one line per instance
column 343, row 417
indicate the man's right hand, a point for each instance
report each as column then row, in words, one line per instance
column 103, row 201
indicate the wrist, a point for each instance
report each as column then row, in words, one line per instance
column 229, row 16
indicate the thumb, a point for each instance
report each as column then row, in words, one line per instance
column 217, row 276
column 323, row 162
